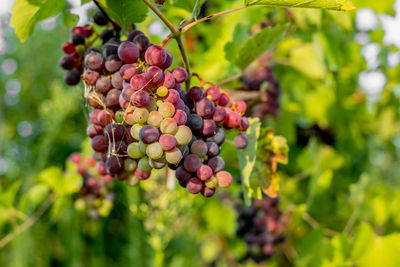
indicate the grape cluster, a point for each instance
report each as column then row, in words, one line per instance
column 143, row 120
column 254, row 77
column 95, row 194
column 260, row 227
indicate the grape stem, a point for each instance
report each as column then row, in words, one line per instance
column 116, row 27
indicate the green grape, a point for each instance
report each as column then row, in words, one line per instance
column 167, row 110
column 169, row 126
column 132, row 180
column 155, row 119
column 133, row 151
column 154, row 150
column 142, row 147
column 119, row 116
column 130, row 165
column 162, row 91
column 174, row 156
column 183, row 135
column 140, row 115
column 157, row 163
column 212, row 182
column 135, row 130
column 144, row 165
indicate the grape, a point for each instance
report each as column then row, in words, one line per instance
column 127, row 93
column 155, row 55
column 224, row 179
column 113, row 63
column 157, row 163
column 78, row 39
column 152, row 106
column 114, row 131
column 154, row 119
column 191, row 163
column 75, row 157
column 112, row 98
column 93, row 130
column 219, row 114
column 119, row 115
column 241, row 141
column 194, row 186
column 183, row 135
column 119, row 147
column 105, row 117
column 93, row 116
column 140, row 115
column 167, row 110
column 103, row 85
column 199, row 148
column 168, row 61
column 110, row 47
column 129, row 117
column 195, row 122
column 132, row 180
column 167, row 142
column 172, row 96
column 128, row 52
column 68, row 48
column 133, row 151
column 142, row 42
column 207, row 192
column 174, row 156
column 130, row 165
column 240, row 106
column 141, row 99
column 244, row 124
column 212, row 149
column 213, row 93
column 205, row 107
column 223, row 100
column 180, row 74
column 178, row 87
column 169, row 80
column 128, row 138
column 142, row 147
column 204, row 172
column 114, row 164
column 185, row 150
column 232, row 119
column 133, row 34
column 169, row 126
column 90, row 77
column 127, row 71
column 106, row 35
column 142, row 175
column 154, row 74
column 144, row 165
column 148, row 134
column 95, row 100
column 101, row 168
column 154, row 150
column 72, row 77
column 139, row 82
column 208, row 128
column 218, row 137
column 67, row 62
column 94, row 61
column 212, row 182
column 180, row 105
column 195, row 93
column 135, row 131
column 99, row 18
column 116, row 80
column 217, row 164
column 180, row 117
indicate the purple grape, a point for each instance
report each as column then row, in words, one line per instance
column 223, row 100
column 116, row 81
column 213, row 93
column 133, row 34
column 241, row 141
column 142, row 42
column 180, row 105
column 178, row 87
column 103, row 85
column 241, row 106
column 169, row 80
column 155, row 55
column 180, row 117
column 99, row 143
column 128, row 52
column 212, row 149
column 232, row 119
column 113, row 63
column 244, row 124
column 191, row 163
column 205, row 107
column 168, row 61
column 209, row 127
column 67, row 62
column 105, row 117
column 218, row 137
column 154, row 74
column 127, row 71
column 199, row 148
column 141, row 99
column 167, row 142
column 195, row 93
column 172, row 96
column 114, row 164
column 128, row 138
column 182, row 175
column 94, row 129
column 219, row 114
column 78, row 39
column 90, row 77
column 99, row 18
column 93, row 116
column 208, row 192
column 114, row 132
column 119, row 147
column 127, row 93
column 94, row 60
column 204, row 172
column 112, row 98
column 194, row 122
column 217, row 164
column 180, row 74
column 149, row 134
column 139, row 82
column 194, row 186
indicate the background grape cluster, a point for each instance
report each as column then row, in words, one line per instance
column 141, row 119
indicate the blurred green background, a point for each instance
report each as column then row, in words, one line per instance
column 339, row 111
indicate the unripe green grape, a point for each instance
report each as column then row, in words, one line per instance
column 174, row 156
column 119, row 116
column 135, row 130
column 162, row 91
column 144, row 165
column 212, row 182
column 167, row 110
column 154, row 150
column 132, row 180
column 133, row 151
column 140, row 115
column 154, row 119
column 142, row 147
column 130, row 165
column 152, row 106
column 169, row 126
column 159, row 102
column 183, row 135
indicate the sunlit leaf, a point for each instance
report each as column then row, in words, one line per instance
column 341, row 5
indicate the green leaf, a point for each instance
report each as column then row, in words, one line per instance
column 125, row 12
column 62, row 184
column 255, row 46
column 196, row 8
column 247, row 160
column 240, row 35
column 25, row 14
column 69, row 20
column 341, row 5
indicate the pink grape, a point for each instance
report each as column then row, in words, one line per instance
column 128, row 52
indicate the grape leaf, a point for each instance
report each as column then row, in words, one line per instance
column 25, row 14
column 69, row 20
column 240, row 34
column 247, row 160
column 125, row 12
column 341, row 5
column 266, row 39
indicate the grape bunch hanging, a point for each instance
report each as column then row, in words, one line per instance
column 141, row 119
